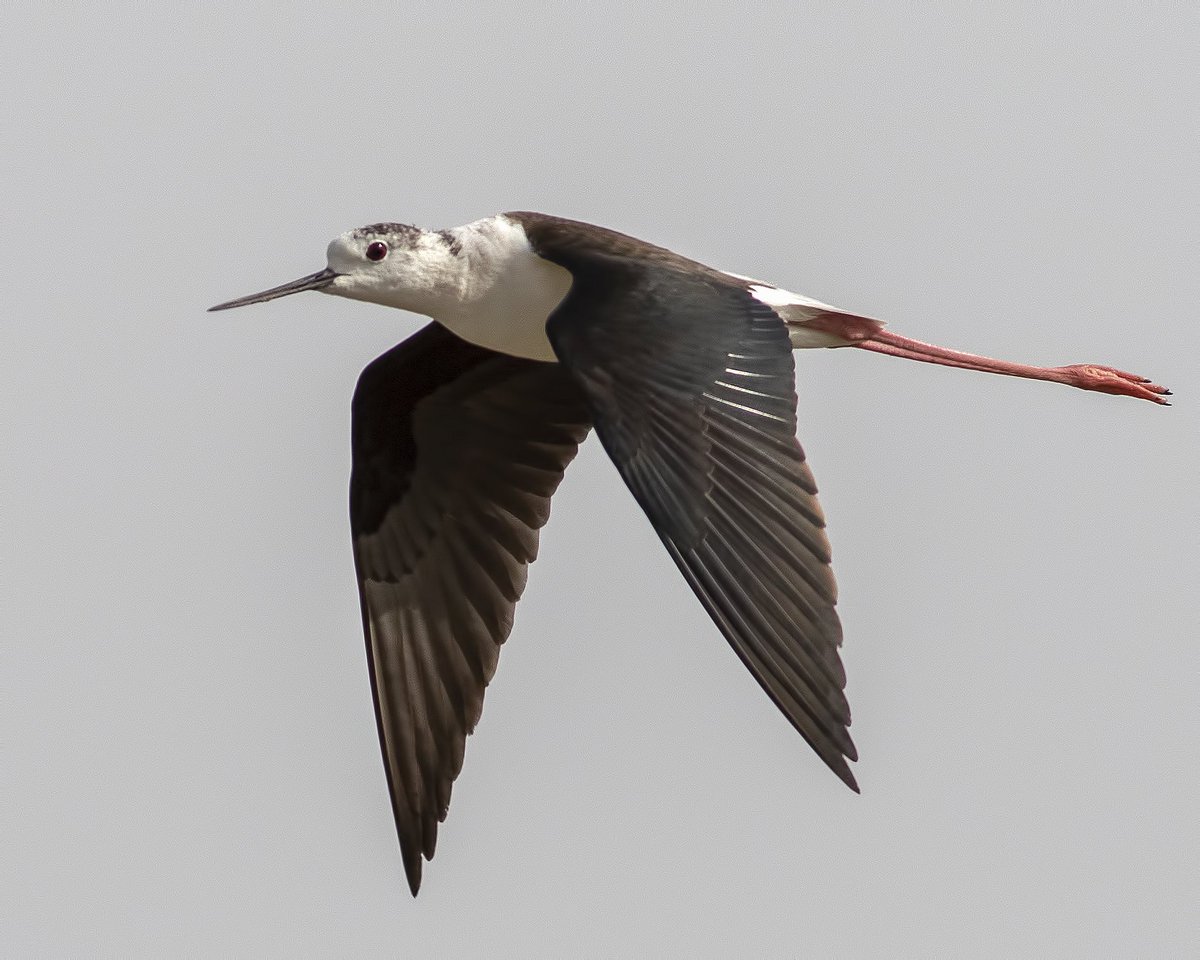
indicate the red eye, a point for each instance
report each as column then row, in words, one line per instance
column 376, row 250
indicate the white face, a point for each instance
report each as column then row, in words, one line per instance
column 395, row 265
column 391, row 264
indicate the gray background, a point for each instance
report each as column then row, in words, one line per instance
column 189, row 763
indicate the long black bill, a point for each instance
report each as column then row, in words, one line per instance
column 314, row 281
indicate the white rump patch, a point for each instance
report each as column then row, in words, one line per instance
column 797, row 311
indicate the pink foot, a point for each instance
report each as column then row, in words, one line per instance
column 1089, row 376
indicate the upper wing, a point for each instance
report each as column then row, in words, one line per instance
column 690, row 382
column 457, row 451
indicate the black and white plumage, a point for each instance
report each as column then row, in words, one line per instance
column 544, row 328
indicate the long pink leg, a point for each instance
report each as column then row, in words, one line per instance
column 1085, row 376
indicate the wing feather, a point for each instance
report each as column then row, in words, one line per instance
column 457, row 451
column 690, row 382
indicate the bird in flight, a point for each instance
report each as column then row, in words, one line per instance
column 545, row 328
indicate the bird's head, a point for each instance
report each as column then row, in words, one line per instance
column 393, row 264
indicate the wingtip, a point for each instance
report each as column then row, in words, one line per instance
column 414, row 881
column 412, row 870
column 848, row 779
column 842, row 771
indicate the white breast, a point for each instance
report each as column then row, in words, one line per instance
column 506, row 291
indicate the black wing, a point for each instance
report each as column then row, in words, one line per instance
column 457, row 451
column 691, row 385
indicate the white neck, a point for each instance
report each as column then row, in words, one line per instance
column 485, row 284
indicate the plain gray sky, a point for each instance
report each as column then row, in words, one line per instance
column 188, row 760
